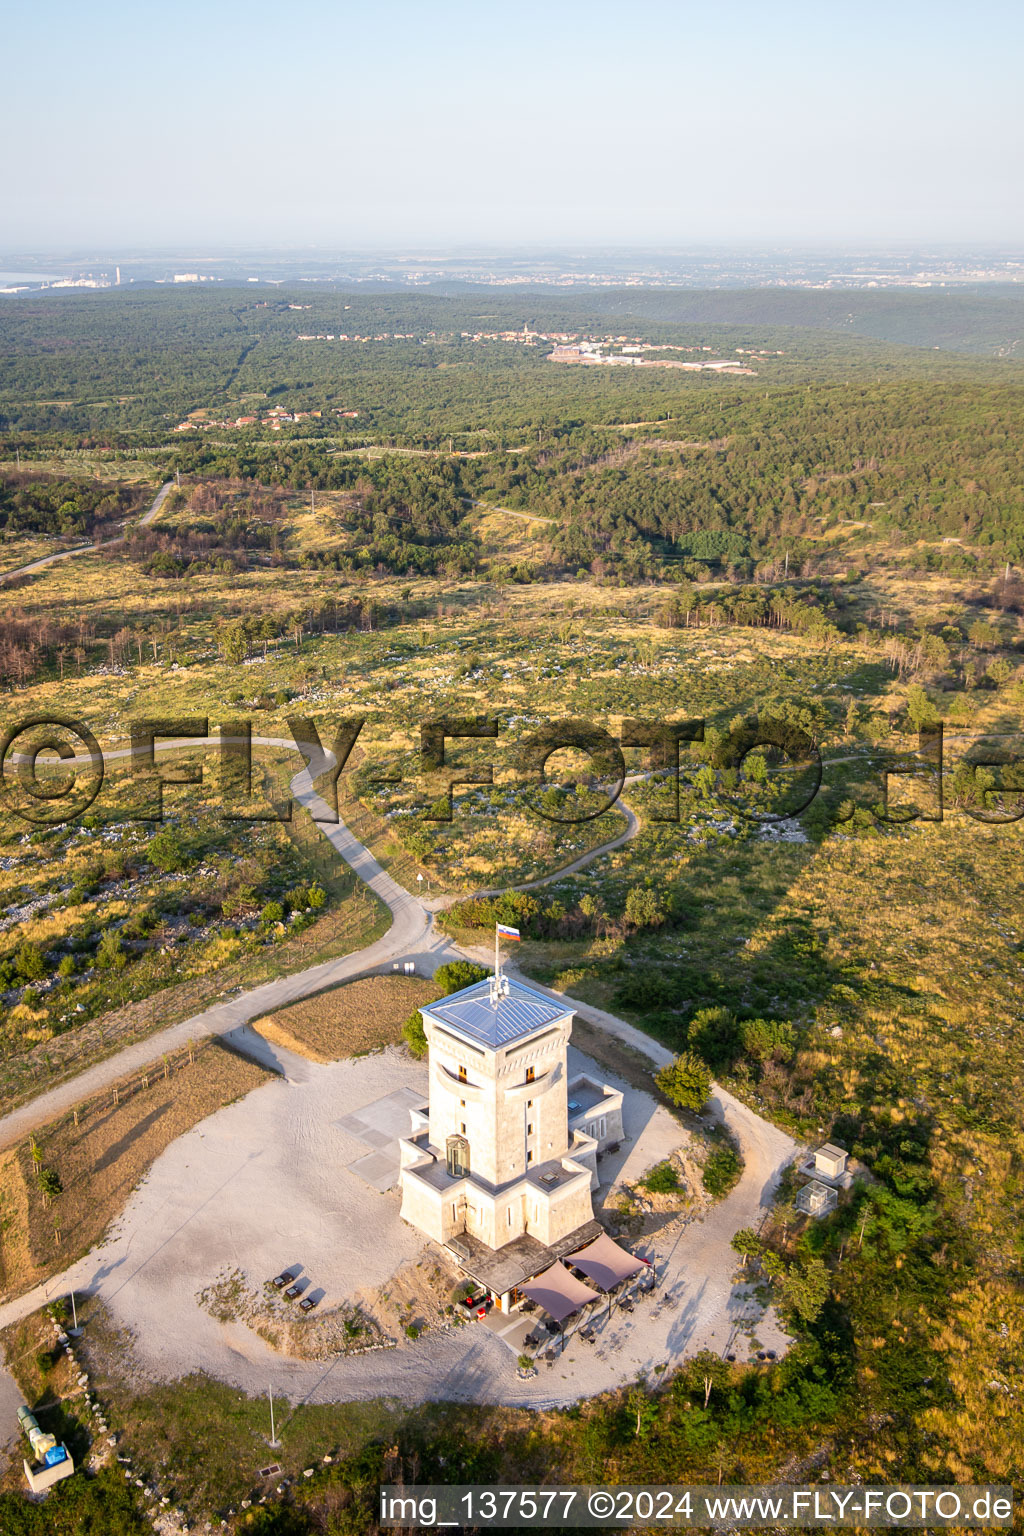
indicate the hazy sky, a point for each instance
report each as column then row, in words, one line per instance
column 445, row 123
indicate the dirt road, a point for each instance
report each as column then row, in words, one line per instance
column 87, row 549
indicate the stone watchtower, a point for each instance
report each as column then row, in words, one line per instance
column 506, row 1147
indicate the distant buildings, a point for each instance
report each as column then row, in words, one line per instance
column 589, row 353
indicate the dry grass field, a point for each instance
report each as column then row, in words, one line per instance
column 361, row 1016
column 99, row 1153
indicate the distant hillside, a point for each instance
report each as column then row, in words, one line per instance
column 984, row 321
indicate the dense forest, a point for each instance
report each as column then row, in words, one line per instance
column 124, row 367
column 734, row 482
column 34, row 503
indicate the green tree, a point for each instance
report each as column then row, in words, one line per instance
column 456, row 974
column 233, row 642
column 414, row 1035
column 920, row 708
column 747, row 1243
column 643, row 909
column 715, row 1036
column 49, row 1182
column 686, row 1081
column 29, row 961
column 706, row 1373
column 167, row 851
column 804, row 1287
column 642, row 1410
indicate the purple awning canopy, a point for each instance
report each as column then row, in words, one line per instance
column 605, row 1263
column 558, row 1292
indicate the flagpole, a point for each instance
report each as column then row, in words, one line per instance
column 497, row 957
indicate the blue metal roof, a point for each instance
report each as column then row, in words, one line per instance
column 518, row 1012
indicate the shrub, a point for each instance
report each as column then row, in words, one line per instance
column 686, row 1082
column 646, row 986
column 643, row 909
column 110, row 956
column 721, row 1172
column 662, row 1179
column 764, row 1038
column 272, row 913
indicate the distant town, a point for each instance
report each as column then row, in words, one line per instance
column 32, row 272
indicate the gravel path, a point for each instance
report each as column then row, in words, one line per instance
column 409, row 935
column 87, row 549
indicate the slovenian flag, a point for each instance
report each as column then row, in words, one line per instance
column 508, row 933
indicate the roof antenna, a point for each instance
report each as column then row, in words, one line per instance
column 499, row 983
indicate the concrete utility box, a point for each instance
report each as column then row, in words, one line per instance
column 41, row 1478
column 830, row 1161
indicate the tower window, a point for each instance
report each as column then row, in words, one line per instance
column 531, row 1074
column 462, row 1127
column 529, row 1130
column 529, row 1157
column 462, row 1075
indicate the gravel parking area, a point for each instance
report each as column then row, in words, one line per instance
column 266, row 1184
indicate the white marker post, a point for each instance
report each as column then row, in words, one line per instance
column 274, row 1441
